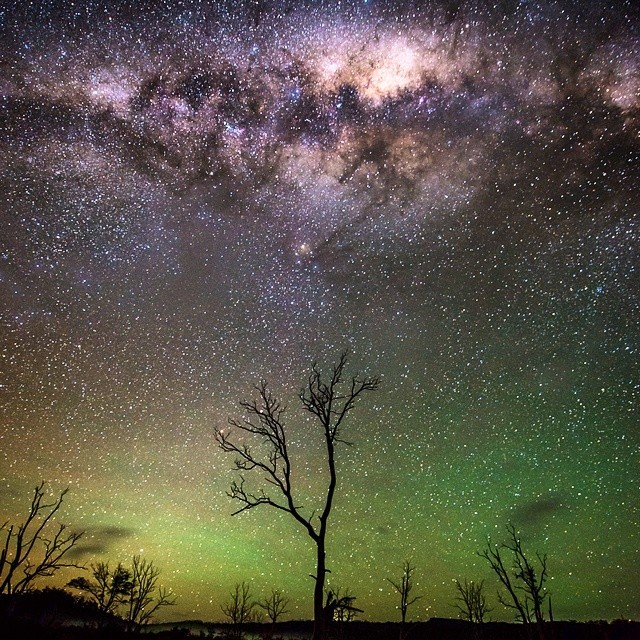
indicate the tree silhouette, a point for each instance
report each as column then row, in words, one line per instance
column 404, row 587
column 134, row 591
column 275, row 605
column 35, row 549
column 108, row 589
column 339, row 609
column 239, row 608
column 472, row 600
column 329, row 400
column 524, row 584
column 145, row 596
column 339, row 606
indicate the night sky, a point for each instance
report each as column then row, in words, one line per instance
column 196, row 196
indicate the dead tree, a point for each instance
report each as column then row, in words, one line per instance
column 36, row 548
column 473, row 602
column 239, row 608
column 145, row 596
column 404, row 588
column 339, row 606
column 339, row 610
column 108, row 589
column 132, row 594
column 524, row 585
column 329, row 400
column 275, row 605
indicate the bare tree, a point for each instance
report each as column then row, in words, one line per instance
column 35, row 548
column 404, row 587
column 472, row 600
column 239, row 608
column 524, row 584
column 133, row 594
column 274, row 604
column 108, row 589
column 329, row 401
column 145, row 596
column 339, row 606
column 339, row 609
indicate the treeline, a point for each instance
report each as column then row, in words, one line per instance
column 56, row 614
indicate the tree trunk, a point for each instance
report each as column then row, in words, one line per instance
column 319, row 621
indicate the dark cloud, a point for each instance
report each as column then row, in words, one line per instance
column 538, row 512
column 97, row 541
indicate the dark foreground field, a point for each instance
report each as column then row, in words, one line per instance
column 434, row 629
column 54, row 614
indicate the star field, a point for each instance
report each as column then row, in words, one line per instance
column 196, row 196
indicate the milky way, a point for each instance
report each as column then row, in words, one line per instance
column 197, row 196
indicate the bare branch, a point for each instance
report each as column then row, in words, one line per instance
column 329, row 399
column 133, row 593
column 145, row 597
column 240, row 606
column 473, row 601
column 525, row 591
column 275, row 605
column 404, row 587
column 27, row 553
